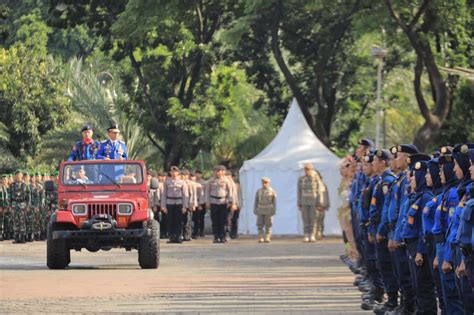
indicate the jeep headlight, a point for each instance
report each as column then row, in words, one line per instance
column 79, row 209
column 124, row 208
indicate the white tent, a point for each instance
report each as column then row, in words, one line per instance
column 282, row 160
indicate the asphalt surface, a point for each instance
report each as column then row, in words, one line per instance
column 240, row 277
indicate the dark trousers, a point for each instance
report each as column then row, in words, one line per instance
column 219, row 215
column 198, row 220
column 164, row 225
column 452, row 301
column 175, row 221
column 424, row 286
column 371, row 262
column 404, row 276
column 234, row 223
column 462, row 284
column 387, row 270
column 187, row 224
column 469, row 261
column 430, row 244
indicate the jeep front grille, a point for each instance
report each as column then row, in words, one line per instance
column 102, row 208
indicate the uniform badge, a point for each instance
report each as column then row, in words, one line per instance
column 464, row 148
column 385, row 189
column 394, row 150
column 417, row 165
column 434, row 199
column 451, row 211
column 426, row 210
column 444, row 150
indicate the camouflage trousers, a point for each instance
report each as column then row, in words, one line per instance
column 308, row 215
column 19, row 217
column 7, row 223
column 264, row 221
column 319, row 223
column 30, row 221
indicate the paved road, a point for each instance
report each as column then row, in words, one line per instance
column 285, row 277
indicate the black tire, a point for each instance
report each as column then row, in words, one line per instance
column 58, row 255
column 149, row 247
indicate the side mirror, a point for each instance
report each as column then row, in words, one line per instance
column 154, row 183
column 49, row 185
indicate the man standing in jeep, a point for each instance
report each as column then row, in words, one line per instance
column 87, row 148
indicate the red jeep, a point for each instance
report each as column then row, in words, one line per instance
column 102, row 204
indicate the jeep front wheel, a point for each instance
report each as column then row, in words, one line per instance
column 58, row 255
column 149, row 246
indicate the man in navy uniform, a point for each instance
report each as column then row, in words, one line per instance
column 113, row 148
column 87, row 148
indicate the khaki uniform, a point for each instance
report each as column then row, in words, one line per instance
column 323, row 203
column 200, row 212
column 174, row 198
column 188, row 215
column 219, row 195
column 265, row 208
column 308, row 200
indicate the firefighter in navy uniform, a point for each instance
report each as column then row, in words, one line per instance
column 378, row 231
column 87, row 148
column 113, row 148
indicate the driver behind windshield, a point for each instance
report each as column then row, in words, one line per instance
column 80, row 176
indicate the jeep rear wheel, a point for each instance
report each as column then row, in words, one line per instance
column 149, row 247
column 58, row 255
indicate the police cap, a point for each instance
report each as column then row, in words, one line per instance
column 461, row 155
column 366, row 142
column 219, row 168
column 114, row 127
column 174, row 169
column 383, row 154
column 407, row 148
column 86, row 127
column 414, row 161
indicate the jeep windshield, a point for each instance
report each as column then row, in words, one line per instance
column 102, row 174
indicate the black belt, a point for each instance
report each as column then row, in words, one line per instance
column 466, row 250
column 215, row 197
column 439, row 238
column 411, row 240
column 174, row 198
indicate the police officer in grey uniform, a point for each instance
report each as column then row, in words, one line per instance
column 218, row 196
column 174, row 202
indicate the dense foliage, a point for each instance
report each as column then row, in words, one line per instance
column 201, row 82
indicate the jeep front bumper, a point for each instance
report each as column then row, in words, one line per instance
column 102, row 235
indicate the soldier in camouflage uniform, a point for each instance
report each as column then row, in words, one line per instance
column 7, row 213
column 41, row 214
column 3, row 206
column 19, row 201
column 308, row 201
column 50, row 206
column 36, row 207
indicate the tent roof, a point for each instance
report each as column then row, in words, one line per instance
column 294, row 145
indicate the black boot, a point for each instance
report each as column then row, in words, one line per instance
column 388, row 306
column 1, row 237
column 42, row 236
column 370, row 300
column 29, row 237
column 37, row 237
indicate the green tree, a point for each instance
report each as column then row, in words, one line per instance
column 440, row 33
column 31, row 91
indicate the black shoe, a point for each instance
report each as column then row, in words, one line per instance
column 234, row 236
column 216, row 240
column 37, row 237
column 187, row 239
column 194, row 236
column 178, row 241
column 1, row 237
column 201, row 234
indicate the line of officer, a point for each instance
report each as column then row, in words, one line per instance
column 423, row 217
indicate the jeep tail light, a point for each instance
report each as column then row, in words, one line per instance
column 79, row 209
column 124, row 208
